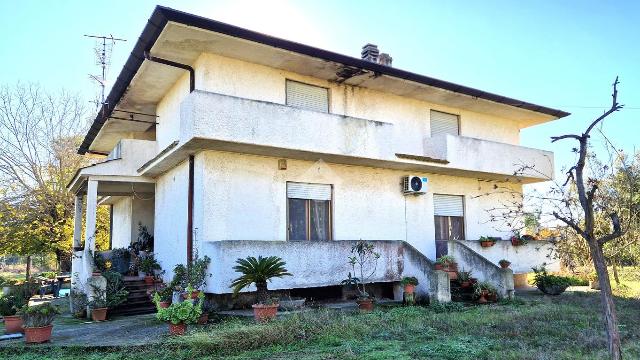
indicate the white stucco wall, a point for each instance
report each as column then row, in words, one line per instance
column 223, row 75
column 170, row 226
column 243, row 197
column 143, row 213
column 121, row 223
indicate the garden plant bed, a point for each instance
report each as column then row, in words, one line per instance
column 559, row 327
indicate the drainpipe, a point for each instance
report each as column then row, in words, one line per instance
column 192, row 73
column 190, row 213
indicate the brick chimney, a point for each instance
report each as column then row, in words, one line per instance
column 370, row 52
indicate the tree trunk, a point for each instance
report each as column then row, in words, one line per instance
column 28, row 272
column 615, row 273
column 262, row 292
column 606, row 297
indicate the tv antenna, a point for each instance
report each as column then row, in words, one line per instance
column 103, row 49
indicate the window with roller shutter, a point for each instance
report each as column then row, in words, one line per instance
column 305, row 96
column 308, row 211
column 443, row 123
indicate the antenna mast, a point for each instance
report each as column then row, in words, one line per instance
column 103, row 50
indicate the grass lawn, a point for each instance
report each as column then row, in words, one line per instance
column 533, row 327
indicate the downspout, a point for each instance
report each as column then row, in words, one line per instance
column 190, row 213
column 192, row 73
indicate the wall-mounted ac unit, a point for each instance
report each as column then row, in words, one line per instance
column 414, row 185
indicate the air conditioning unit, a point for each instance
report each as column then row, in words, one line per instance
column 414, row 185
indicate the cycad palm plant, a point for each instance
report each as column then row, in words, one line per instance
column 258, row 271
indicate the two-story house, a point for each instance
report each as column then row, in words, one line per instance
column 230, row 143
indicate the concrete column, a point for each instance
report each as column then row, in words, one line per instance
column 92, row 208
column 507, row 283
column 77, row 220
column 440, row 287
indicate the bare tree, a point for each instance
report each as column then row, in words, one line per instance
column 587, row 188
column 580, row 203
column 39, row 135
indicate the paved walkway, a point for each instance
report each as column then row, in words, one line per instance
column 130, row 330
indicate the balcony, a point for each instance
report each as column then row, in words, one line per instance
column 489, row 157
column 250, row 124
column 211, row 121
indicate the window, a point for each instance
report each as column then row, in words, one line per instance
column 443, row 123
column 308, row 211
column 449, row 220
column 307, row 96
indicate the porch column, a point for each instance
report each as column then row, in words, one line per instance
column 77, row 222
column 92, row 207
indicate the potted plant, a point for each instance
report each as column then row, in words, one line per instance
column 487, row 241
column 448, row 264
column 148, row 265
column 99, row 264
column 464, row 279
column 9, row 307
column 259, row 271
column 204, row 316
column 37, row 322
column 98, row 306
column 548, row 283
column 79, row 303
column 179, row 315
column 162, row 298
column 409, row 283
column 365, row 259
column 504, row 263
column 482, row 290
column 517, row 240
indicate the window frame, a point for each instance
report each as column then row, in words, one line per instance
column 464, row 217
column 330, row 209
column 448, row 113
column 286, row 95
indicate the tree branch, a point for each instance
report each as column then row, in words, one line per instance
column 570, row 223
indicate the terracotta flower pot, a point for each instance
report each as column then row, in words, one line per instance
column 164, row 304
column 178, row 329
column 505, row 265
column 13, row 324
column 409, row 288
column 36, row 335
column 483, row 297
column 516, row 242
column 486, row 244
column 365, row 304
column 263, row 312
column 453, row 275
column 438, row 267
column 453, row 266
column 99, row 314
column 203, row 319
column 195, row 294
column 148, row 280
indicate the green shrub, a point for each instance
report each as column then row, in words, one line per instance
column 10, row 304
column 39, row 315
column 543, row 278
column 186, row 312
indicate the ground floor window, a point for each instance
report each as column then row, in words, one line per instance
column 449, row 220
column 308, row 211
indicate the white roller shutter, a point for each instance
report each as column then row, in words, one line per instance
column 448, row 205
column 308, row 97
column 443, row 123
column 308, row 191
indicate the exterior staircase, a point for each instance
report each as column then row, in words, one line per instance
column 138, row 302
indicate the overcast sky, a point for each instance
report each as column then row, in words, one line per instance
column 562, row 54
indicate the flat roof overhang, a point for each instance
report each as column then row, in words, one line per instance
column 183, row 37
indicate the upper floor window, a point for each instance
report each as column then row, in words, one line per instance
column 443, row 123
column 308, row 211
column 307, row 96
